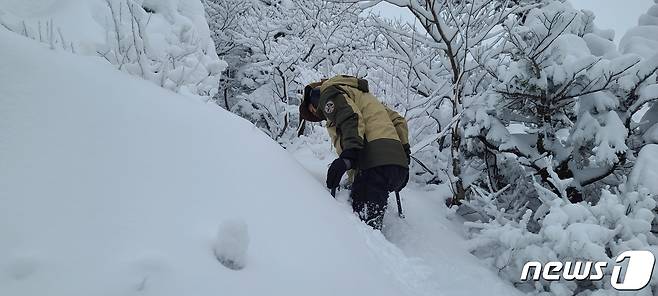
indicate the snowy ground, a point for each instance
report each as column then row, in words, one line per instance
column 433, row 241
column 113, row 186
column 110, row 185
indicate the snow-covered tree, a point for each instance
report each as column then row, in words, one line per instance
column 562, row 129
column 562, row 102
column 459, row 33
column 164, row 42
column 225, row 19
column 275, row 48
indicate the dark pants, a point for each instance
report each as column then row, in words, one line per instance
column 370, row 191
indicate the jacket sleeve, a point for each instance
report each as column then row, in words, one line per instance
column 400, row 125
column 346, row 118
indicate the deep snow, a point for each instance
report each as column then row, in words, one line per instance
column 431, row 234
column 645, row 172
column 110, row 185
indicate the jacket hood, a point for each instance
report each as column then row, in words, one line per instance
column 346, row 80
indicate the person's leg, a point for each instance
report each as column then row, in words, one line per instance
column 376, row 195
column 397, row 177
column 381, row 181
column 369, row 197
column 358, row 194
column 370, row 192
column 376, row 208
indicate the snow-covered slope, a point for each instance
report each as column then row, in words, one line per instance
column 110, row 185
column 431, row 235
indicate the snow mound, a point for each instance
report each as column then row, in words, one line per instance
column 232, row 243
column 645, row 171
column 651, row 17
column 642, row 39
column 651, row 135
column 83, row 22
column 166, row 42
column 110, row 185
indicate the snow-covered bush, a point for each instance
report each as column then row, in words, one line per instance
column 225, row 20
column 557, row 124
column 561, row 104
column 274, row 49
column 643, row 40
column 166, row 42
column 47, row 32
column 644, row 173
column 269, row 74
column 569, row 232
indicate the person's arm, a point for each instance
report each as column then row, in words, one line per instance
column 402, row 130
column 350, row 128
column 347, row 118
column 400, row 126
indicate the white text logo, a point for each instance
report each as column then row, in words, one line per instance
column 637, row 273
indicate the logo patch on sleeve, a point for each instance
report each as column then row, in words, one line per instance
column 329, row 107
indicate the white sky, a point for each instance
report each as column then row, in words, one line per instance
column 619, row 15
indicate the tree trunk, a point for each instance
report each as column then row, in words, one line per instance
column 457, row 182
column 458, row 190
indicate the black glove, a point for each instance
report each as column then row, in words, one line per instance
column 336, row 171
column 407, row 150
column 339, row 166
